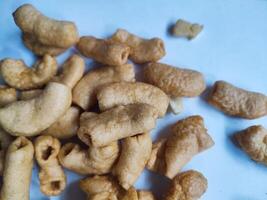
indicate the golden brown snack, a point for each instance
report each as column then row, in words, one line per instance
column 103, row 51
column 66, row 126
column 17, row 170
column 84, row 93
column 51, row 175
column 175, row 82
column 30, row 94
column 189, row 185
column 189, row 137
column 94, row 160
column 30, row 117
column 123, row 93
column 45, row 30
column 238, row 102
column 38, row 48
column 253, row 141
column 118, row 123
column 7, row 95
column 72, row 72
column 141, row 50
column 5, row 140
column 184, row 28
column 145, row 195
column 16, row 74
column 135, row 152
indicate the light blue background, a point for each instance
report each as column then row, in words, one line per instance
column 232, row 47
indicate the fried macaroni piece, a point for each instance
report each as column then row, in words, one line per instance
column 72, row 72
column 94, row 160
column 105, row 187
column 118, row 123
column 238, row 102
column 135, row 152
column 7, row 95
column 189, row 137
column 5, row 140
column 123, row 93
column 30, row 94
column 189, row 185
column 66, row 126
column 38, row 48
column 46, row 31
column 253, row 141
column 103, row 51
column 175, row 82
column 51, row 175
column 18, row 170
column 183, row 28
column 30, row 117
column 16, row 74
column 84, row 93
column 141, row 50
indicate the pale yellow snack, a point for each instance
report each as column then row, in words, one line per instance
column 17, row 170
column 103, row 51
column 118, row 123
column 72, row 72
column 38, row 48
column 7, row 95
column 84, row 93
column 253, row 141
column 135, row 152
column 141, row 50
column 30, row 117
column 175, row 82
column 45, row 30
column 238, row 102
column 16, row 74
column 5, row 140
column 94, row 160
column 184, row 28
column 123, row 93
column 176, row 104
column 30, row 94
column 189, row 137
column 66, row 126
column 189, row 185
column 51, row 175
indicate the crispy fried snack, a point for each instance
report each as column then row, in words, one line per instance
column 7, row 95
column 253, row 141
column 117, row 123
column 16, row 74
column 5, row 140
column 135, row 152
column 141, row 50
column 189, row 185
column 18, row 170
column 175, row 82
column 184, row 28
column 103, row 51
column 123, row 93
column 84, row 93
column 238, row 102
column 189, row 137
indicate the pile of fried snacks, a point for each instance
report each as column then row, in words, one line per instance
column 42, row 106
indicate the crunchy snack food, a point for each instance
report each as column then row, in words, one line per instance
column 29, row 94
column 189, row 137
column 45, row 30
column 30, row 117
column 123, row 93
column 238, row 102
column 84, row 93
column 117, row 123
column 176, row 105
column 135, row 152
column 17, row 170
column 184, row 28
column 189, row 185
column 5, row 140
column 175, row 82
column 51, row 175
column 253, row 141
column 16, row 74
column 141, row 50
column 7, row 95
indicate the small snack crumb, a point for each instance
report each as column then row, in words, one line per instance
column 186, row 29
